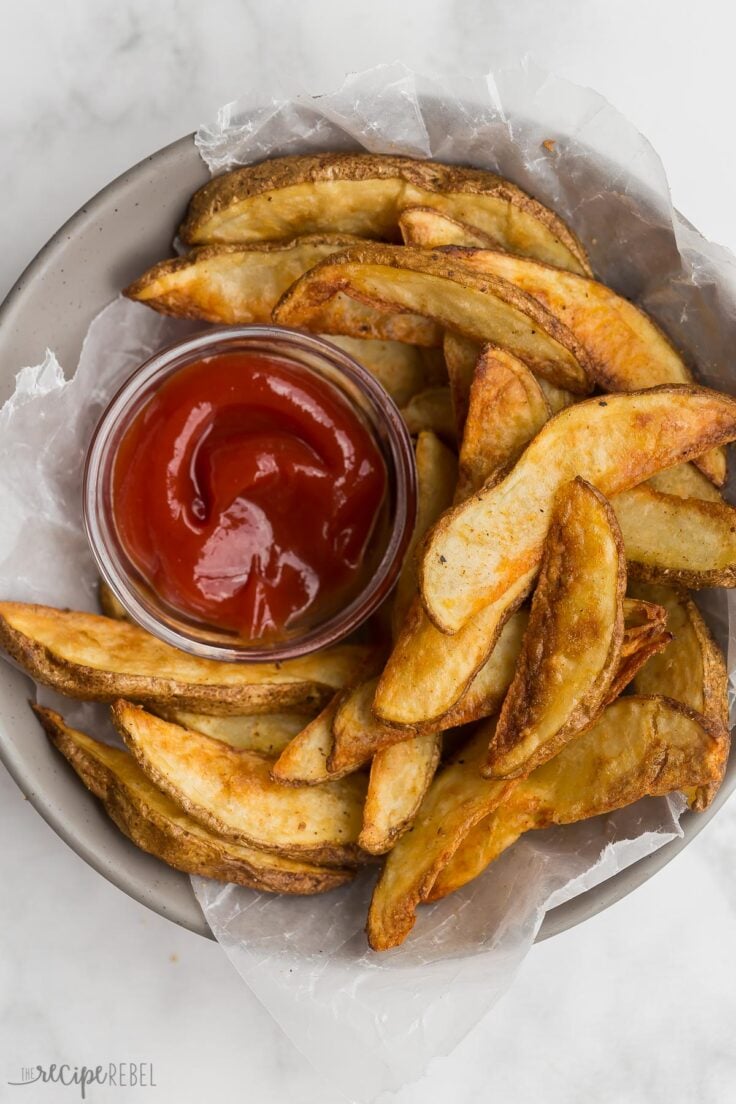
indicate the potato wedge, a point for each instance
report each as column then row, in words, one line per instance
column 685, row 540
column 506, row 409
column 232, row 793
column 639, row 747
column 429, row 228
column 685, row 481
column 449, row 292
column 303, row 762
column 691, row 670
column 240, row 284
column 479, row 549
column 457, row 799
column 268, row 733
column 627, row 351
column 436, row 482
column 401, row 369
column 363, row 193
column 400, row 777
column 110, row 604
column 95, row 658
column 359, row 733
column 572, row 645
column 431, row 411
column 232, row 284
column 461, row 357
column 156, row 824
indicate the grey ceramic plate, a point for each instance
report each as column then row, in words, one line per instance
column 126, row 227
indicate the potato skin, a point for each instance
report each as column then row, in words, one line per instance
column 153, row 822
column 278, row 173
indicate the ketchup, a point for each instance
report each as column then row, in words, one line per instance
column 246, row 492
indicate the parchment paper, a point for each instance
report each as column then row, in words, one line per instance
column 365, row 1021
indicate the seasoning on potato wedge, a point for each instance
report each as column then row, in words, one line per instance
column 363, row 194
column 483, row 547
column 96, row 658
column 158, row 825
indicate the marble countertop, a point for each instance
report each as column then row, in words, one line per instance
column 636, row 1005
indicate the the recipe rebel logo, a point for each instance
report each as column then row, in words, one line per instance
column 115, row 1075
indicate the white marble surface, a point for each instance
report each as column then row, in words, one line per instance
column 638, row 1004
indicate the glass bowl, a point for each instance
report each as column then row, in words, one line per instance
column 366, row 398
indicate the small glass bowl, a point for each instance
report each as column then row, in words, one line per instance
column 368, row 400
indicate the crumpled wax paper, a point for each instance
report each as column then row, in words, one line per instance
column 373, row 1022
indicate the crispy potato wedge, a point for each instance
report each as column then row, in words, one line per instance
column 436, row 481
column 639, row 747
column 231, row 792
column 232, row 284
column 396, row 279
column 429, row 228
column 303, row 762
column 572, row 645
column 506, row 409
column 401, row 369
column 691, row 670
column 96, row 658
column 360, row 734
column 239, row 284
column 685, row 481
column 480, row 548
column 685, row 540
column 431, row 411
column 363, row 193
column 627, row 351
column 400, row 777
column 461, row 357
column 268, row 733
column 156, row 824
column 457, row 799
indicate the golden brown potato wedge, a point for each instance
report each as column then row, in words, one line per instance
column 400, row 776
column 156, row 824
column 639, row 747
column 303, row 762
column 506, row 409
column 240, row 284
column 363, row 193
column 429, row 228
column 394, row 278
column 685, row 481
column 684, row 540
column 457, row 799
column 233, row 794
column 96, row 658
column 691, row 670
column 268, row 733
column 572, row 645
column 232, row 284
column 479, row 549
column 436, row 482
column 431, row 411
column 401, row 369
column 461, row 357
column 627, row 351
